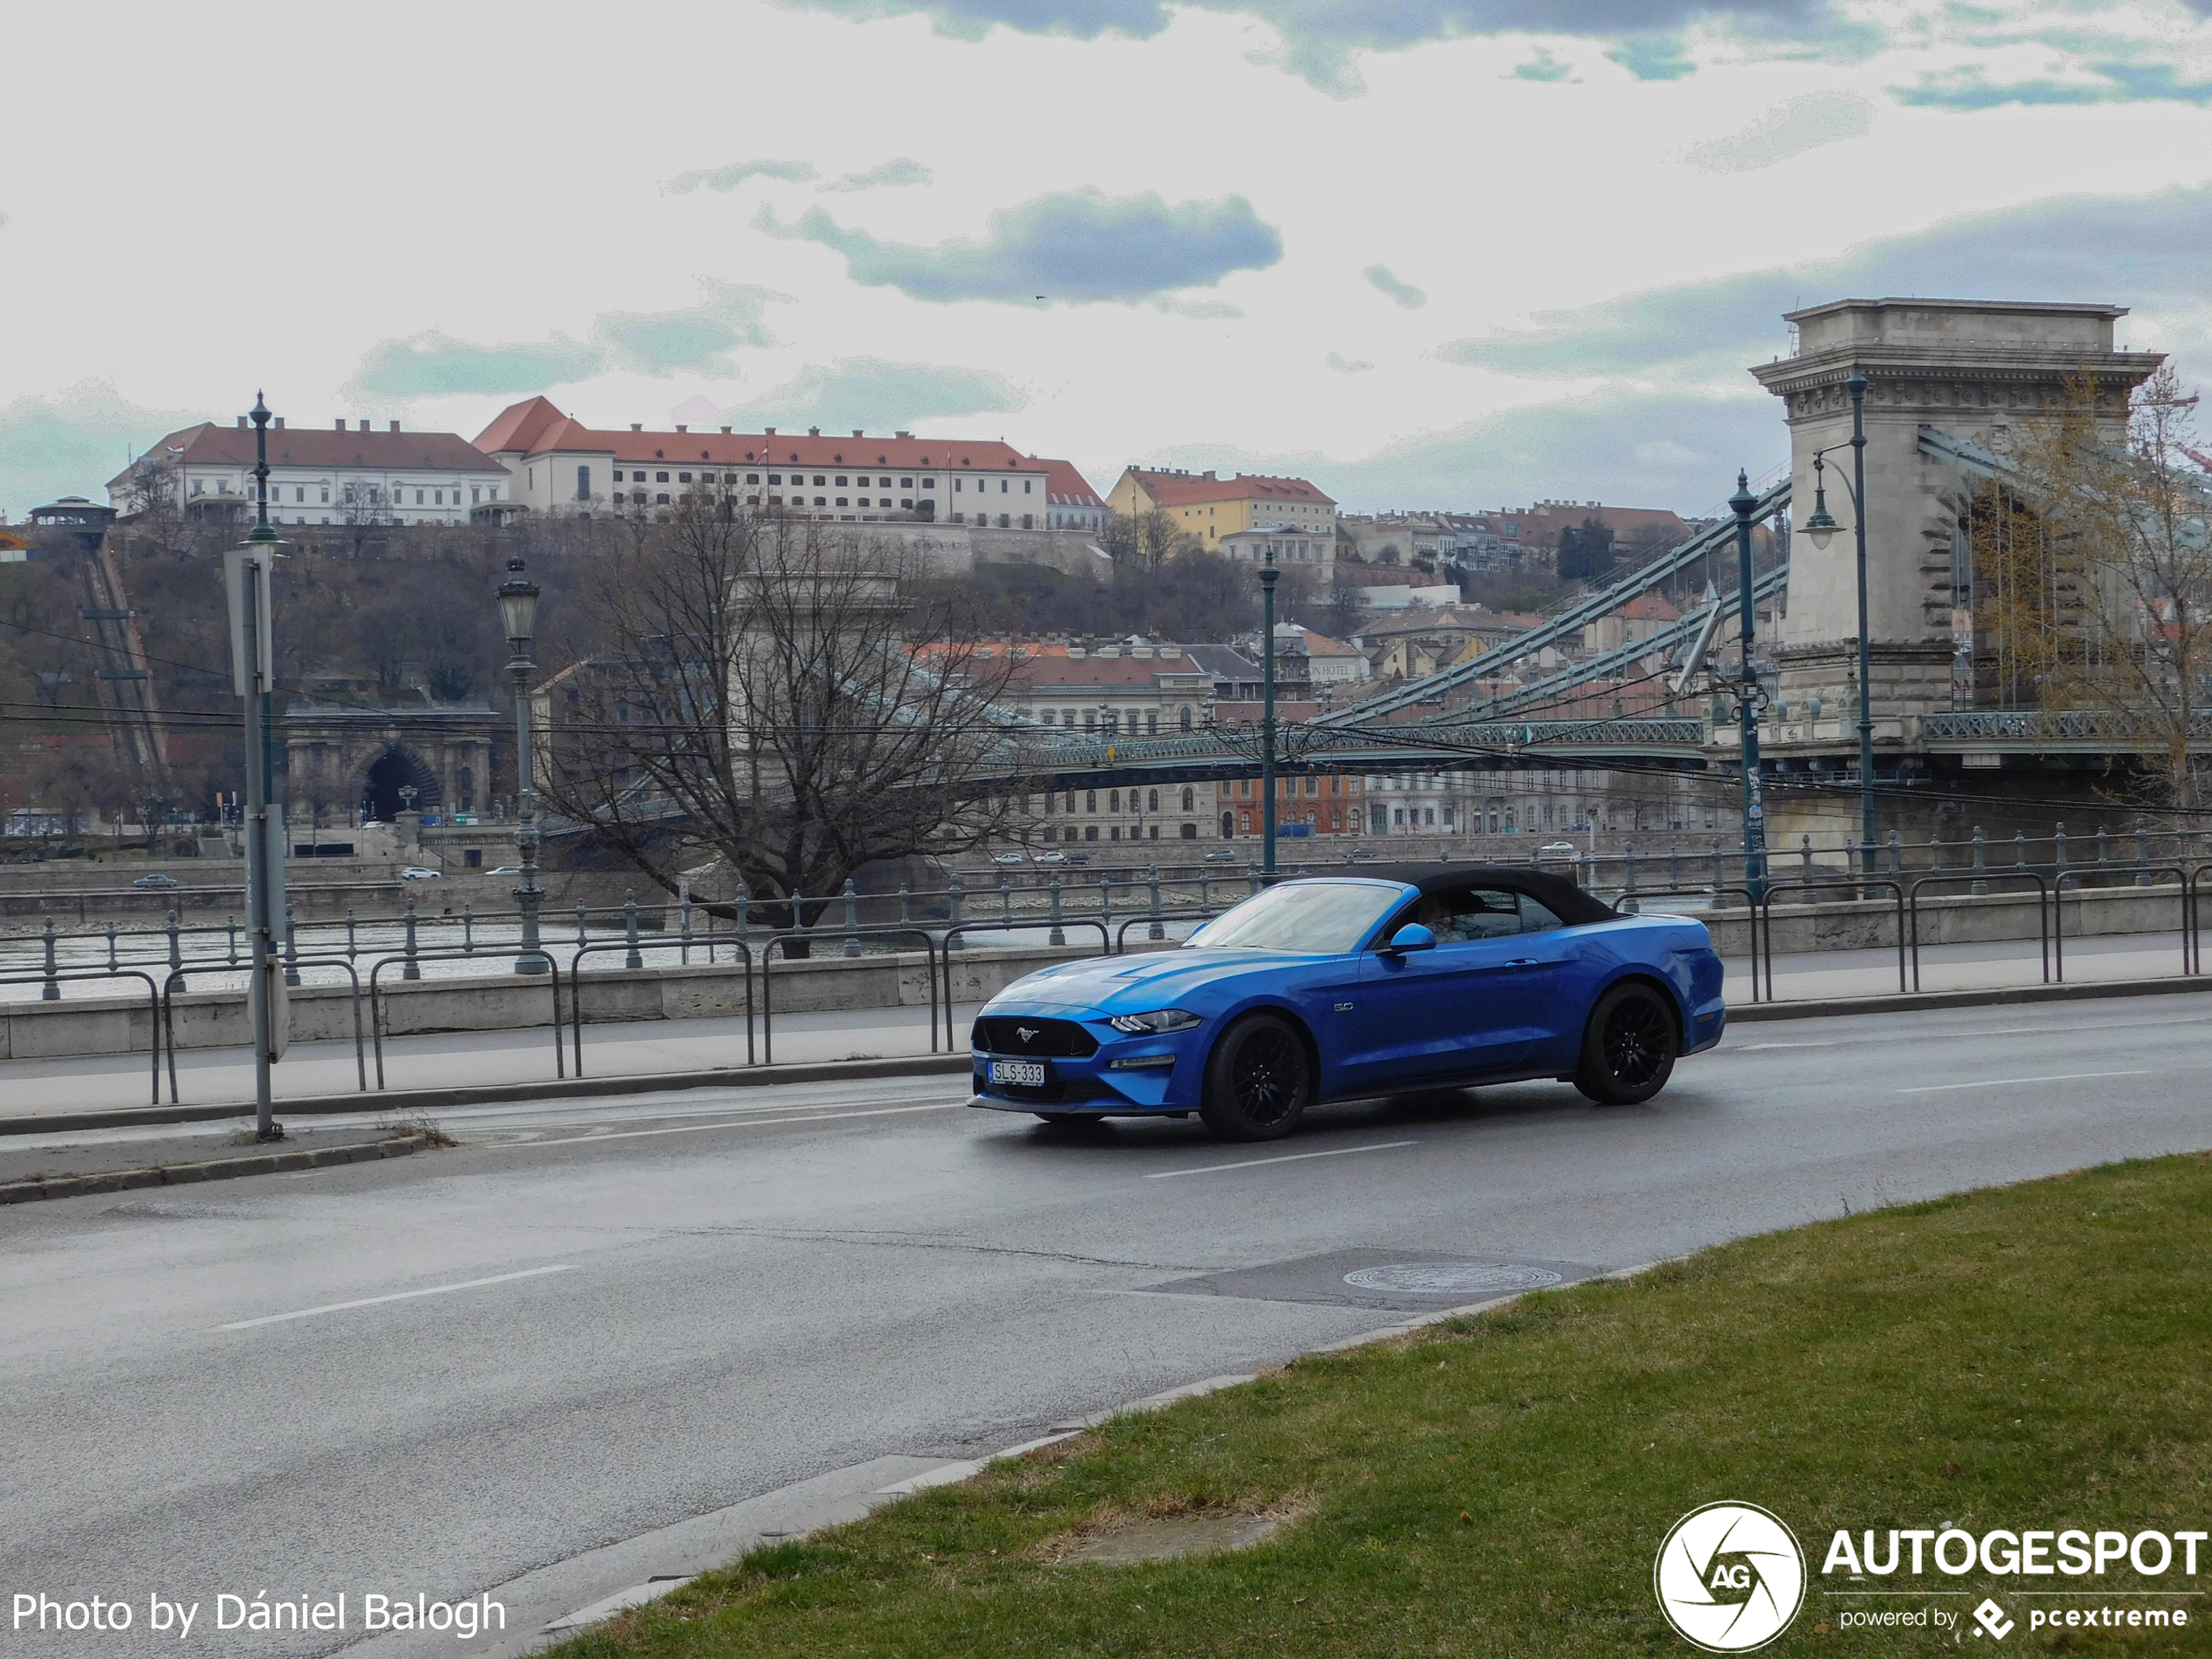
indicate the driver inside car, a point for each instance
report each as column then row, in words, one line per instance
column 1461, row 918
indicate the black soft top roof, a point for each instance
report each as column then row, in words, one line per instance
column 1566, row 900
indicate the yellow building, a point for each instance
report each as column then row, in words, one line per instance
column 1210, row 507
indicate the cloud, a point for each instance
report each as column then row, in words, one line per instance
column 697, row 340
column 1543, row 67
column 2142, row 251
column 437, row 365
column 1203, row 310
column 1404, row 293
column 894, row 174
column 1344, row 365
column 1075, row 247
column 73, row 443
column 1789, row 129
column 870, row 392
column 1322, row 37
column 1654, row 57
column 737, row 172
column 2117, row 81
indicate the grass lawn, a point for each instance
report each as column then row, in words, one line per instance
column 2038, row 1356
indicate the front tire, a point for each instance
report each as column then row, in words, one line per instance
column 1628, row 1047
column 1259, row 1080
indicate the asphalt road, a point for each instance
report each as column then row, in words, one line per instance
column 647, row 1310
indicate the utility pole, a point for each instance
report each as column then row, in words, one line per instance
column 1268, row 574
column 1741, row 504
column 253, row 664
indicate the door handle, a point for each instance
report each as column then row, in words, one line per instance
column 1521, row 961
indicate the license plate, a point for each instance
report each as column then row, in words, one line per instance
column 1022, row 1074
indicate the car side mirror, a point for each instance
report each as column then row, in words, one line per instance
column 1411, row 936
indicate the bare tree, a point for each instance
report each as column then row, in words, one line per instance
column 2094, row 571
column 759, row 686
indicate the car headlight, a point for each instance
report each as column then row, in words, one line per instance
column 1159, row 1023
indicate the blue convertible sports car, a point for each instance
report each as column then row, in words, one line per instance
column 1344, row 986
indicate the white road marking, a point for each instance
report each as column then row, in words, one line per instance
column 744, row 1122
column 396, row 1296
column 2000, row 1082
column 1292, row 1157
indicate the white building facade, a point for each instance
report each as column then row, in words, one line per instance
column 341, row 475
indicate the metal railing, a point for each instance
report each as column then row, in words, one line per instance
column 376, row 1005
column 57, row 977
column 743, row 968
column 1762, row 918
column 929, row 946
column 170, row 985
column 1981, row 885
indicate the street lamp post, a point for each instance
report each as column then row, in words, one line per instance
column 254, row 666
column 1742, row 503
column 1818, row 529
column 518, row 614
column 1268, row 575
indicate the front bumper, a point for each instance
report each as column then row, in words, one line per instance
column 1125, row 1074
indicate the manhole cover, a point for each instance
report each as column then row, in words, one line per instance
column 1451, row 1279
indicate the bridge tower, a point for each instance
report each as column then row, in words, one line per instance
column 1982, row 370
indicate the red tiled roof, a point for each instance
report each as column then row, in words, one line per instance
column 1184, row 489
column 524, row 428
column 1067, row 487
column 209, row 445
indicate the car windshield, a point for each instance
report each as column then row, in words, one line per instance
column 1314, row 918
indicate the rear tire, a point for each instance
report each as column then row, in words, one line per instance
column 1258, row 1080
column 1628, row 1047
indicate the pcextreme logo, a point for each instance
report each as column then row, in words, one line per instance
column 1730, row 1577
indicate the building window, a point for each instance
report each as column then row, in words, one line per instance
column 682, row 477
column 819, row 479
column 660, row 477
column 1090, row 800
column 1091, row 720
column 841, row 501
column 418, row 498
column 1002, row 520
column 583, row 483
column 1182, row 719
column 1026, row 484
column 661, row 500
column 1151, row 800
column 775, row 477
column 931, row 483
column 1091, row 832
column 1245, row 822
column 840, row 481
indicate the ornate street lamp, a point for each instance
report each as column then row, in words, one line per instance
column 1819, row 529
column 1268, row 576
column 518, row 615
column 1748, row 697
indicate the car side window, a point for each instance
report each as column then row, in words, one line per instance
column 1537, row 917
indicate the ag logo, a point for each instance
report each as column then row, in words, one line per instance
column 1730, row 1577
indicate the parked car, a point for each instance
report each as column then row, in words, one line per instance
column 1009, row 858
column 1222, row 855
column 416, row 873
column 1345, row 987
column 1359, row 854
column 157, row 880
column 1054, row 857
column 506, row 869
column 1078, row 858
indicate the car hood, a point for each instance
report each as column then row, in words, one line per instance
column 1129, row 984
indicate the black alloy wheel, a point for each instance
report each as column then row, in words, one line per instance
column 1258, row 1080
column 1628, row 1047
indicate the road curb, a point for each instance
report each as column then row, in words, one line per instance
column 820, row 1071
column 1921, row 1002
column 424, row 1100
column 165, row 1175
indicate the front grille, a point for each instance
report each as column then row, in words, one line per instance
column 1045, row 1039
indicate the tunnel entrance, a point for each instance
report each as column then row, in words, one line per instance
column 388, row 774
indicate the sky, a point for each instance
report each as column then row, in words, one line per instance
column 1442, row 253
